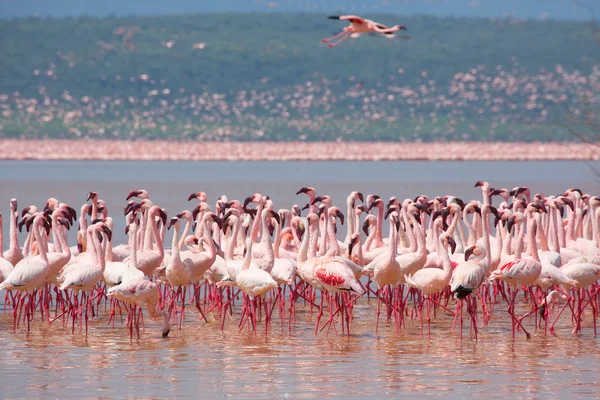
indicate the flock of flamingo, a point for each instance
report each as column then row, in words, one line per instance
column 443, row 258
column 479, row 103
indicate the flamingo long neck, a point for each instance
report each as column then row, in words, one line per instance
column 157, row 238
column 542, row 235
column 199, row 226
column 100, row 251
column 571, row 226
column 257, row 225
column 519, row 248
column 370, row 238
column 471, row 238
column 560, row 230
column 324, row 231
column 485, row 233
column 531, row 244
column 132, row 239
column 595, row 227
column 248, row 257
column 277, row 242
column 314, row 238
column 266, row 240
column 351, row 215
column 62, row 240
column 232, row 242
column 186, row 230
column 94, row 208
column 1, row 238
column 587, row 225
column 150, row 228
column 14, row 235
column 445, row 258
column 42, row 245
column 210, row 244
column 420, row 238
column 303, row 250
column 334, row 247
column 393, row 243
column 495, row 260
column 410, row 233
column 578, row 225
column 175, row 244
column 27, row 245
column 379, row 229
column 297, row 240
column 552, row 231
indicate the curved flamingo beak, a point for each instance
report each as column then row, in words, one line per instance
column 478, row 183
column 163, row 215
column 452, row 244
column 133, row 193
column 303, row 190
column 92, row 195
column 172, row 222
column 468, row 252
column 64, row 222
column 365, row 227
column 510, row 223
column 306, row 207
column 13, row 204
column 25, row 211
column 360, row 196
column 340, row 215
column 107, row 231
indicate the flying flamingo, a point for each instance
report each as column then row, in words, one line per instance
column 357, row 26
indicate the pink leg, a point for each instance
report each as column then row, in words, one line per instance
column 340, row 40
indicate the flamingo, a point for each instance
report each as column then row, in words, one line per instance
column 30, row 273
column 138, row 292
column 14, row 254
column 431, row 281
column 150, row 259
column 357, row 26
column 253, row 283
column 6, row 266
column 521, row 271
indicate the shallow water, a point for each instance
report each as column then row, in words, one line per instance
column 200, row 359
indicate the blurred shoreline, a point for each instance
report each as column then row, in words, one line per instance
column 15, row 149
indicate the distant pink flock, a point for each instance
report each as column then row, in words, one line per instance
column 13, row 149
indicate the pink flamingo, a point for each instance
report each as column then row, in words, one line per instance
column 431, row 281
column 30, row 273
column 521, row 271
column 6, row 266
column 357, row 26
column 14, row 253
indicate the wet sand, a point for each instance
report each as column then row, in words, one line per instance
column 12, row 149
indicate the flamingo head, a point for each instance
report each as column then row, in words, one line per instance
column 185, row 214
column 201, row 196
column 13, row 205
column 310, row 191
column 392, row 208
column 93, row 196
column 470, row 251
column 335, row 212
column 256, row 198
column 173, row 222
column 375, row 202
column 140, row 194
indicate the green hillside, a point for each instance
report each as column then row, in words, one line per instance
column 268, row 76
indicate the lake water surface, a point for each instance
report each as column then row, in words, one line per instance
column 200, row 361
